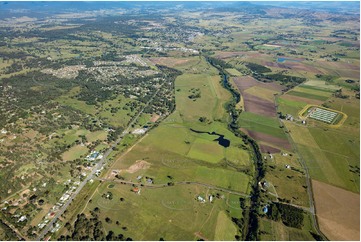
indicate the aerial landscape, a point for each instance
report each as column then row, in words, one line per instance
column 185, row 121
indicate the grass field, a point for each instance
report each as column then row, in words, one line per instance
column 225, row 229
column 171, row 213
column 75, row 152
column 234, row 72
column 97, row 135
column 289, row 107
column 308, row 95
column 261, row 124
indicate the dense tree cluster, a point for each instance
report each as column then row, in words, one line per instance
column 90, row 229
column 258, row 68
column 290, row 215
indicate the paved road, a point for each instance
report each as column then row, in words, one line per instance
column 97, row 167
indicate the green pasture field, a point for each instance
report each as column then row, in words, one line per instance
column 289, row 106
column 233, row 72
column 209, row 105
column 75, row 152
column 307, row 95
column 225, row 229
column 171, row 213
column 319, row 85
column 261, row 124
column 97, row 135
column 237, row 156
column 352, row 109
column 206, row 150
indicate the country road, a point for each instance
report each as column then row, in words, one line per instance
column 97, row 167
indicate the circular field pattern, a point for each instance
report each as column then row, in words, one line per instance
column 233, row 204
column 178, row 204
column 108, row 204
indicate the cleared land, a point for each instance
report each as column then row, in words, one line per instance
column 338, row 211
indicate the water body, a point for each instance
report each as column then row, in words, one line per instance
column 221, row 140
column 283, row 59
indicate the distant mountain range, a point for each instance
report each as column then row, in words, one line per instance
column 45, row 8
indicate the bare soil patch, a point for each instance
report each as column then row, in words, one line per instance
column 154, row 118
column 338, row 211
column 259, row 105
column 268, row 149
column 254, row 103
column 139, row 165
column 282, row 143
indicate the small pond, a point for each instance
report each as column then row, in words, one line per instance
column 221, row 140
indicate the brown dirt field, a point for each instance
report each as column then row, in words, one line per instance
column 301, row 99
column 282, row 143
column 259, row 105
column 168, row 61
column 245, row 82
column 338, row 211
column 154, row 118
column 139, row 165
column 253, row 103
column 266, row 149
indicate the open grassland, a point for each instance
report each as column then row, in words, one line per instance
column 225, row 229
column 233, row 72
column 171, row 213
column 311, row 93
column 211, row 100
column 288, row 106
column 337, row 211
column 97, row 135
column 320, row 84
column 75, row 152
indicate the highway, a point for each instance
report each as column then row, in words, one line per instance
column 90, row 176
